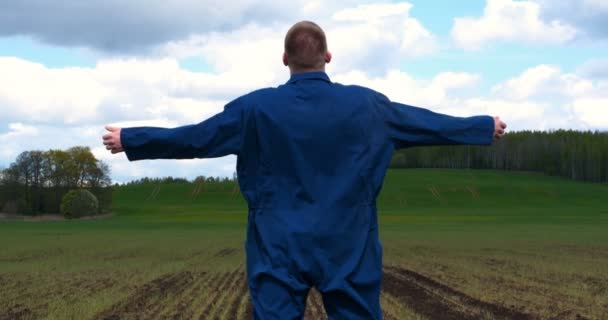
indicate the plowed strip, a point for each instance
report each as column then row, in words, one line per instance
column 214, row 292
column 219, row 290
column 242, row 293
column 390, row 303
column 438, row 301
column 315, row 300
column 201, row 295
column 147, row 300
column 183, row 309
column 230, row 295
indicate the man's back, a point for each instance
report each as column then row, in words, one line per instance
column 311, row 144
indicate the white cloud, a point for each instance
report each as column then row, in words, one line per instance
column 135, row 25
column 543, row 82
column 358, row 37
column 29, row 90
column 592, row 111
column 440, row 94
column 373, row 12
column 18, row 129
column 71, row 105
column 518, row 115
column 540, row 98
column 402, row 87
column 589, row 17
column 596, row 4
column 117, row 90
column 509, row 20
column 595, row 68
column 565, row 100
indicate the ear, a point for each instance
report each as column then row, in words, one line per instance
column 285, row 60
column 327, row 57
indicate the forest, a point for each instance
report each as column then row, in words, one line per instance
column 577, row 155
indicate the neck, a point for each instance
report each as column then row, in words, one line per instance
column 296, row 71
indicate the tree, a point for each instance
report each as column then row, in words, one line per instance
column 41, row 178
column 56, row 168
column 99, row 176
column 82, row 166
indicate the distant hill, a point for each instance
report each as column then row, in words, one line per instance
column 476, row 195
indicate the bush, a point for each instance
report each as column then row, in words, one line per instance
column 79, row 203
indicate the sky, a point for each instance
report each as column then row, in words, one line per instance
column 67, row 68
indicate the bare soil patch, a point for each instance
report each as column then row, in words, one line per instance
column 228, row 295
column 219, row 288
column 314, row 307
column 144, row 303
column 437, row 301
column 225, row 252
column 17, row 312
column 569, row 315
column 242, row 292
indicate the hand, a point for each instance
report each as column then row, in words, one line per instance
column 499, row 128
column 112, row 140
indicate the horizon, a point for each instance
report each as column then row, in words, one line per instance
column 543, row 68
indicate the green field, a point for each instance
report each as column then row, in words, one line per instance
column 457, row 245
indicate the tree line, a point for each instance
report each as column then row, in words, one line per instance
column 578, row 155
column 37, row 180
column 180, row 180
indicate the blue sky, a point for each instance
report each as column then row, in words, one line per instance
column 539, row 64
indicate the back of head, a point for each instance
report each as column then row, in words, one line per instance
column 306, row 46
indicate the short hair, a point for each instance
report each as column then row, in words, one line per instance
column 306, row 45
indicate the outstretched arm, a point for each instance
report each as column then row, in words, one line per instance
column 217, row 136
column 409, row 126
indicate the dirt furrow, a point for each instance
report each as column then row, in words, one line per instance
column 219, row 292
column 390, row 306
column 202, row 295
column 231, row 295
column 225, row 252
column 315, row 300
column 310, row 309
column 214, row 292
column 184, row 308
column 437, row 301
column 147, row 300
column 17, row 312
column 242, row 293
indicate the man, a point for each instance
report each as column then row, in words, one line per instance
column 312, row 156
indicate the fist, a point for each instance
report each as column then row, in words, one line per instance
column 112, row 140
column 499, row 128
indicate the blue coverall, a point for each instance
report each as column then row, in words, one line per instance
column 311, row 158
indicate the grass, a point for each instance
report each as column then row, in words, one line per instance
column 526, row 242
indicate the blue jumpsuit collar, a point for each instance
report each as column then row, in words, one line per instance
column 309, row 75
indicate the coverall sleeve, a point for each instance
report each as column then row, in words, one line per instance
column 217, row 136
column 409, row 126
